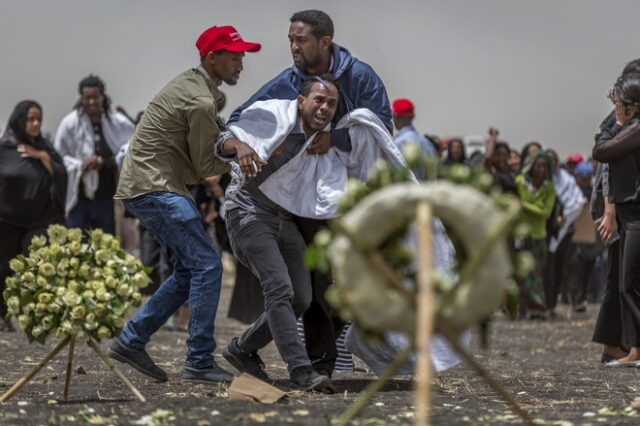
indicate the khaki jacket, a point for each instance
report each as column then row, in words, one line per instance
column 173, row 145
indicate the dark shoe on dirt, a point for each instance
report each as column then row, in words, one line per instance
column 5, row 325
column 136, row 358
column 245, row 362
column 580, row 307
column 305, row 378
column 209, row 375
column 323, row 368
column 537, row 316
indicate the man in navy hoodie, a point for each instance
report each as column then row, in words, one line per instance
column 314, row 54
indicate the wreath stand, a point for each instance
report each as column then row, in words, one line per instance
column 71, row 341
column 425, row 325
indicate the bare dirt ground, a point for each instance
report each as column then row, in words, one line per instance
column 551, row 368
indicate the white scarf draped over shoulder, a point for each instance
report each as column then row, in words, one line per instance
column 75, row 142
column 310, row 185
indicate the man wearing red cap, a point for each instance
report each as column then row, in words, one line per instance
column 572, row 162
column 403, row 112
column 173, row 147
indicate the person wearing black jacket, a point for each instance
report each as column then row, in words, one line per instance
column 618, row 147
column 608, row 329
column 33, row 187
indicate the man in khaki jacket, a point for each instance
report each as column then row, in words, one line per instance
column 173, row 147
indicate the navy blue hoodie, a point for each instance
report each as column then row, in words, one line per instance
column 358, row 84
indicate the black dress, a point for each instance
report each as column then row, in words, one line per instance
column 31, row 199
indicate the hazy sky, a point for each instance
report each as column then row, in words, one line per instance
column 538, row 70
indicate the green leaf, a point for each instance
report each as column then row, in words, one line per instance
column 311, row 257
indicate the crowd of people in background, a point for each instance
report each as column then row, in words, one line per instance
column 169, row 166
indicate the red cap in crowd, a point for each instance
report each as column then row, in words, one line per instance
column 402, row 108
column 227, row 38
column 575, row 158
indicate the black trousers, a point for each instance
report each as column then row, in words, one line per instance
column 630, row 287
column 322, row 325
column 14, row 240
column 581, row 263
column 152, row 254
column 608, row 329
column 247, row 300
column 629, row 216
column 555, row 271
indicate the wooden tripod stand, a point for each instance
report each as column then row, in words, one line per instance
column 71, row 341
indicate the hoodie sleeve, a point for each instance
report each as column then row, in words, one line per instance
column 366, row 90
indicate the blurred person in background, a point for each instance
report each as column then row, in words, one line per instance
column 537, row 195
column 33, row 187
column 88, row 139
column 514, row 162
column 455, row 152
column 569, row 203
column 436, row 141
column 402, row 115
column 528, row 150
column 498, row 166
column 572, row 162
column 584, row 251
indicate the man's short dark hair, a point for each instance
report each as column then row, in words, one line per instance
column 323, row 79
column 320, row 23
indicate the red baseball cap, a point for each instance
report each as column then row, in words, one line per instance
column 575, row 158
column 227, row 38
column 402, row 108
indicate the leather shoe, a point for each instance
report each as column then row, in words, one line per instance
column 245, row 362
column 136, row 358
column 307, row 379
column 208, row 375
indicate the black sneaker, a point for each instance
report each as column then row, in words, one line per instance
column 580, row 307
column 209, row 375
column 245, row 362
column 305, row 378
column 136, row 358
column 5, row 325
column 323, row 368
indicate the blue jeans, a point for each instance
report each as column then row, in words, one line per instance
column 90, row 214
column 197, row 273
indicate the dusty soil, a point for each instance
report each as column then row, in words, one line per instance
column 551, row 368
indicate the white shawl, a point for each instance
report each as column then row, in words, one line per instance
column 310, row 185
column 74, row 141
column 572, row 199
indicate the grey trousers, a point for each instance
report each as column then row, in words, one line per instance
column 273, row 249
